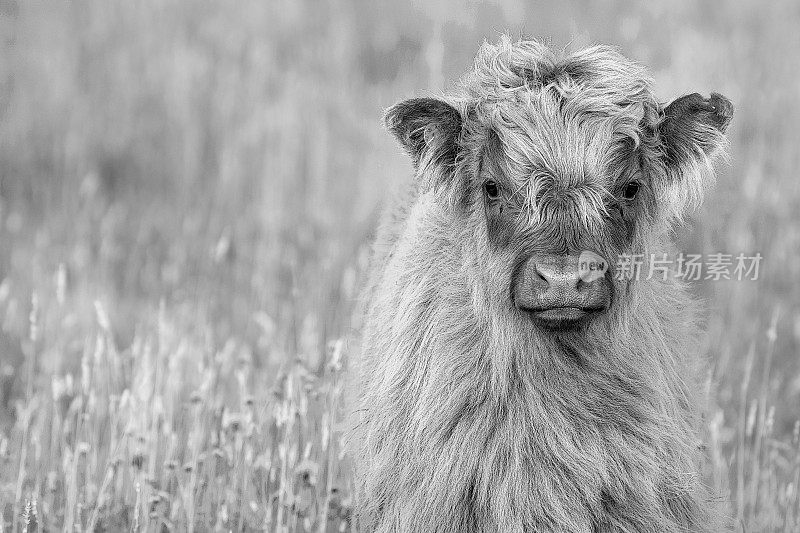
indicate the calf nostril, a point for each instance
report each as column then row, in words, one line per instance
column 545, row 274
column 557, row 276
column 540, row 276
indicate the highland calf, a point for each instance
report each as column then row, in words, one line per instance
column 500, row 390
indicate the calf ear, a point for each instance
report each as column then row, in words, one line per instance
column 693, row 124
column 692, row 133
column 427, row 128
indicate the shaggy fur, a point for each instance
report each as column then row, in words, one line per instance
column 473, row 418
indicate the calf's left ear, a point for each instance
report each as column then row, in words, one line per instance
column 692, row 133
column 694, row 127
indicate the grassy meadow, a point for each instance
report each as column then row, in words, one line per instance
column 187, row 193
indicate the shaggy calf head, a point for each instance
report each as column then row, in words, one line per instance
column 541, row 157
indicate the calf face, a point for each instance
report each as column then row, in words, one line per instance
column 544, row 158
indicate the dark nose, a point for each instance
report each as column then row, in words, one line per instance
column 558, row 291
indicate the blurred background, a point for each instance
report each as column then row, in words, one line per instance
column 187, row 193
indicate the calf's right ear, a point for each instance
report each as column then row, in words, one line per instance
column 428, row 129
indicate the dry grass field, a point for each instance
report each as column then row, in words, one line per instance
column 187, row 192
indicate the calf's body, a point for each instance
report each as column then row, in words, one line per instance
column 490, row 402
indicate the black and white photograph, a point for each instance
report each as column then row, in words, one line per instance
column 445, row 266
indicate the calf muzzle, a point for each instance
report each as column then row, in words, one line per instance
column 559, row 292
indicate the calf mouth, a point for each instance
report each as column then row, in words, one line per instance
column 562, row 318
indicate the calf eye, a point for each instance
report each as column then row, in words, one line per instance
column 492, row 192
column 630, row 190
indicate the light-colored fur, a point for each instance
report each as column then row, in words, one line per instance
column 471, row 418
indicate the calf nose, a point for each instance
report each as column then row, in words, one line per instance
column 552, row 290
column 555, row 275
